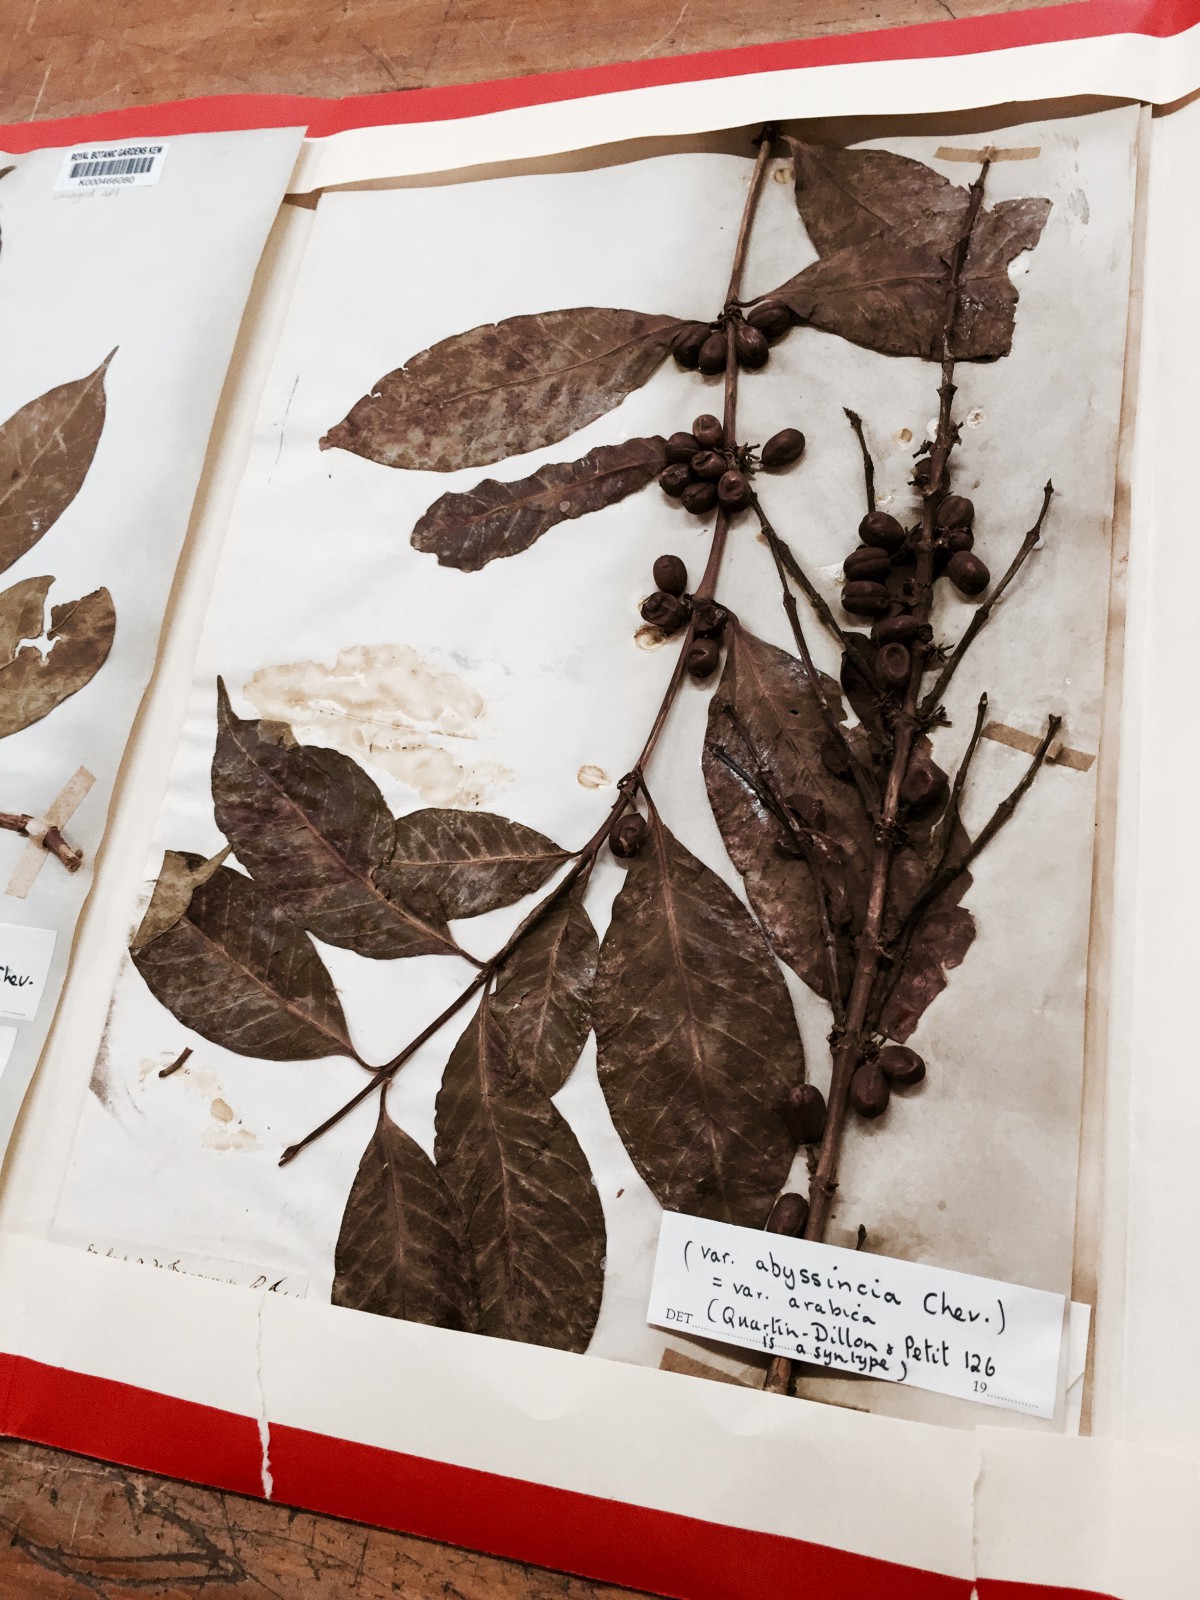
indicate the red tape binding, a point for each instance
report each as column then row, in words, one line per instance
column 1080, row 19
column 607, row 1540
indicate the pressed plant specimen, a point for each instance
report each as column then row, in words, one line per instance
column 847, row 833
column 46, row 449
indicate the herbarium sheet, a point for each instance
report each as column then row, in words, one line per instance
column 122, row 284
column 515, row 881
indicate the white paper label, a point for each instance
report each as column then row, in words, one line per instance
column 132, row 164
column 25, row 956
column 8, row 1038
column 951, row 1332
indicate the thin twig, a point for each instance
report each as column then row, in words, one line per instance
column 863, row 780
column 798, row 575
column 51, row 840
column 868, row 465
column 937, row 694
column 181, row 1060
column 954, row 804
column 941, row 881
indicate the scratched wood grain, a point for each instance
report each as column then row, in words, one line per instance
column 72, row 1528
column 62, row 57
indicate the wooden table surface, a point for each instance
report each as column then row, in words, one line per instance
column 74, row 1528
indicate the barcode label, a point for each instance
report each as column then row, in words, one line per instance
column 110, row 166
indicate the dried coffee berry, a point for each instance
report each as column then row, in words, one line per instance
column 882, row 531
column 675, row 479
column 901, row 1066
column 733, row 491
column 925, row 785
column 865, row 562
column 703, row 657
column 665, row 611
column 835, row 760
column 708, row 619
column 713, row 352
column 869, row 1092
column 670, row 574
column 752, row 348
column 681, row 447
column 955, row 511
column 685, row 346
column 808, row 810
column 803, row 1114
column 968, row 573
column 782, row 449
column 709, row 431
column 772, row 319
column 699, row 498
column 863, row 599
column 889, row 630
column 893, row 666
column 628, row 836
column 788, row 1215
column 960, row 539
column 709, row 464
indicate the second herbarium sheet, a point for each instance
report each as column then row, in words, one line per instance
column 643, row 748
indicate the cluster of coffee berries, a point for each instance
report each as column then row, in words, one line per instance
column 703, row 472
column 894, row 1067
column 704, row 346
column 879, row 581
column 671, row 608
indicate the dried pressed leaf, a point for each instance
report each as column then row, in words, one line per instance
column 504, row 388
column 885, row 227
column 500, row 519
column 177, row 881
column 466, row 862
column 698, row 1044
column 41, row 667
column 401, row 1250
column 46, row 449
column 313, row 829
column 522, row 1182
column 238, row 972
column 543, row 994
column 765, row 715
column 941, row 942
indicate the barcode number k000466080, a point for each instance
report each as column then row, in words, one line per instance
column 115, row 166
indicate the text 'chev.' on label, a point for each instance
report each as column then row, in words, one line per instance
column 974, row 1338
column 25, row 957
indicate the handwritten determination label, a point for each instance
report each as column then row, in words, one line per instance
column 951, row 1332
column 132, row 164
column 25, row 956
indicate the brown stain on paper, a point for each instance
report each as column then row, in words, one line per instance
column 224, row 1129
column 388, row 707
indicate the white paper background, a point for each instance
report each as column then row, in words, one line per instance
column 161, row 273
column 975, row 1173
